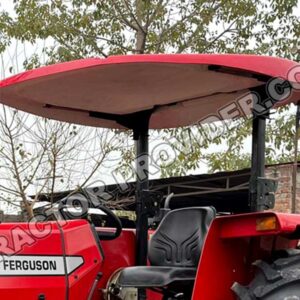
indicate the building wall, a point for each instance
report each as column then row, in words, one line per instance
column 284, row 174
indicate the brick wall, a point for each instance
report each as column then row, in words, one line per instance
column 284, row 174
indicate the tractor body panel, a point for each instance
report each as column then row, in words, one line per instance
column 80, row 241
column 232, row 245
column 54, row 260
column 72, row 259
column 17, row 240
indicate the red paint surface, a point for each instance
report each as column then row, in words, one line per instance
column 231, row 246
column 78, row 241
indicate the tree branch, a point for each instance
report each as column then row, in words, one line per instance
column 136, row 19
column 124, row 19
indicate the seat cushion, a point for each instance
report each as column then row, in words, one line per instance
column 178, row 240
column 152, row 276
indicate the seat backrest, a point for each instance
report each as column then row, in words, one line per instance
column 179, row 238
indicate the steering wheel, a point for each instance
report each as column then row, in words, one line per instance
column 77, row 207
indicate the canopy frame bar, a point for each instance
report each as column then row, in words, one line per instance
column 139, row 123
column 261, row 189
column 257, row 160
column 140, row 126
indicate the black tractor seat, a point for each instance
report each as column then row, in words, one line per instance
column 174, row 252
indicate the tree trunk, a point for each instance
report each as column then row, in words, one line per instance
column 140, row 34
column 27, row 210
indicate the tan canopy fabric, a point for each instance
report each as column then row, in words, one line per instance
column 181, row 89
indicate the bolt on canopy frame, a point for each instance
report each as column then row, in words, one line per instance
column 142, row 92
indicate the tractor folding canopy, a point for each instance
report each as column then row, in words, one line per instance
column 139, row 92
column 179, row 89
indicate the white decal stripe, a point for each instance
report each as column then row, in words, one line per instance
column 73, row 262
column 22, row 265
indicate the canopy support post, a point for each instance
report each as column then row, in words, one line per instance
column 258, row 159
column 141, row 137
column 261, row 189
column 142, row 183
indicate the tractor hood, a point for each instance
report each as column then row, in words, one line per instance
column 180, row 90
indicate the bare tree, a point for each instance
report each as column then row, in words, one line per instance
column 44, row 156
column 20, row 162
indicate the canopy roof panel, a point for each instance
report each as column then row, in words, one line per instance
column 181, row 89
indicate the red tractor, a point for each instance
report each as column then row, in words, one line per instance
column 195, row 252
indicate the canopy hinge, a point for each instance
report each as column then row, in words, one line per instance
column 151, row 201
